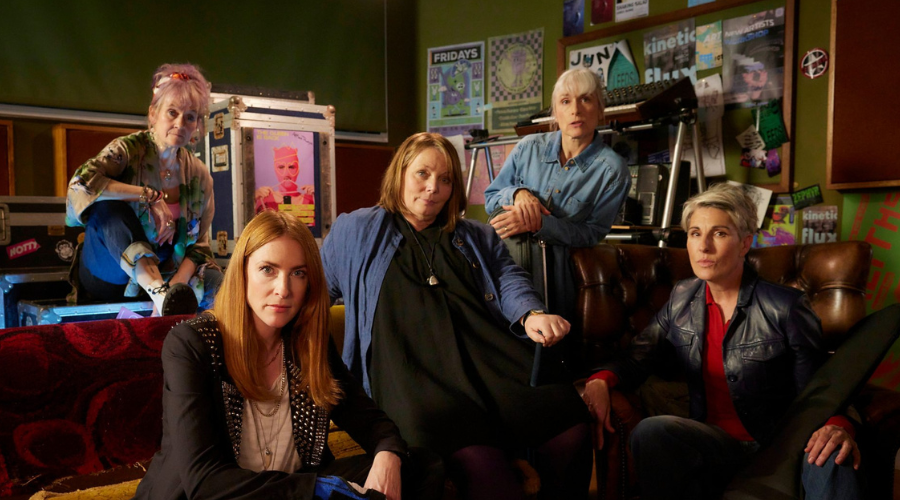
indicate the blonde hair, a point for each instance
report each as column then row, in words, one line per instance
column 731, row 199
column 184, row 85
column 412, row 147
column 576, row 82
column 309, row 336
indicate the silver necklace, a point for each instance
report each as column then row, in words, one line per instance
column 280, row 392
column 266, row 453
column 432, row 279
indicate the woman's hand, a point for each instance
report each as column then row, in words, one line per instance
column 531, row 209
column 521, row 217
column 546, row 329
column 165, row 224
column 384, row 476
column 829, row 439
column 596, row 397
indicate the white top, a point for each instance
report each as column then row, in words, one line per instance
column 259, row 432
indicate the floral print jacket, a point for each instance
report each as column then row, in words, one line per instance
column 134, row 159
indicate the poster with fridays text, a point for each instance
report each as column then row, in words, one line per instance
column 516, row 83
column 455, row 100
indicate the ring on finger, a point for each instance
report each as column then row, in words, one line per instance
column 170, row 223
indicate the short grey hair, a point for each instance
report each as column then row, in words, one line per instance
column 731, row 199
column 577, row 81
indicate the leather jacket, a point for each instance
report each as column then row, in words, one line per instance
column 771, row 348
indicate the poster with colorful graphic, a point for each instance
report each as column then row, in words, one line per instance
column 612, row 62
column 631, row 9
column 284, row 173
column 670, row 52
column 455, row 102
column 709, row 45
column 573, row 17
column 516, row 83
column 602, row 11
column 753, row 58
column 820, row 224
column 875, row 218
column 779, row 226
column 480, row 181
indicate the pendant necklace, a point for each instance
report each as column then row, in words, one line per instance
column 266, row 453
column 432, row 279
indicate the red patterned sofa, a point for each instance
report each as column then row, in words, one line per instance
column 78, row 398
column 81, row 405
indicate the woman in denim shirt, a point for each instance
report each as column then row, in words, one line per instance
column 565, row 187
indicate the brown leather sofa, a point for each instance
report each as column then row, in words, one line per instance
column 622, row 286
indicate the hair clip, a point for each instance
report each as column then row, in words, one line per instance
column 172, row 76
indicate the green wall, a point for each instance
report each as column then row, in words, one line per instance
column 875, row 214
column 470, row 20
column 99, row 55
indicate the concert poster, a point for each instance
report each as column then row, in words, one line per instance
column 516, row 83
column 573, row 17
column 284, row 172
column 602, row 11
column 820, row 224
column 780, row 225
column 753, row 58
column 709, row 46
column 612, row 62
column 455, row 102
column 670, row 52
column 631, row 9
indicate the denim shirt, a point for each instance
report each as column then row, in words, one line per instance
column 583, row 196
column 356, row 255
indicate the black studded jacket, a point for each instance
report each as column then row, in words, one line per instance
column 202, row 418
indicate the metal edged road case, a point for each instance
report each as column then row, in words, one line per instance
column 53, row 311
column 36, row 251
column 272, row 152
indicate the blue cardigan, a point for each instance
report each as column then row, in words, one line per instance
column 356, row 255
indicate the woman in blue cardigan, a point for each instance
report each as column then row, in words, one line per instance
column 438, row 318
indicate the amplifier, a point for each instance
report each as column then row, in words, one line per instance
column 649, row 189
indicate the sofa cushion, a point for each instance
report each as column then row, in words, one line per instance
column 77, row 398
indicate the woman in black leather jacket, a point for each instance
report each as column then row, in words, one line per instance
column 748, row 347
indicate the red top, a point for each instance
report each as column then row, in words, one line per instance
column 720, row 409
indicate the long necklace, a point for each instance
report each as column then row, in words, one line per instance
column 265, row 452
column 432, row 279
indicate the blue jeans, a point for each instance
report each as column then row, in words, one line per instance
column 831, row 481
column 681, row 458
column 110, row 228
